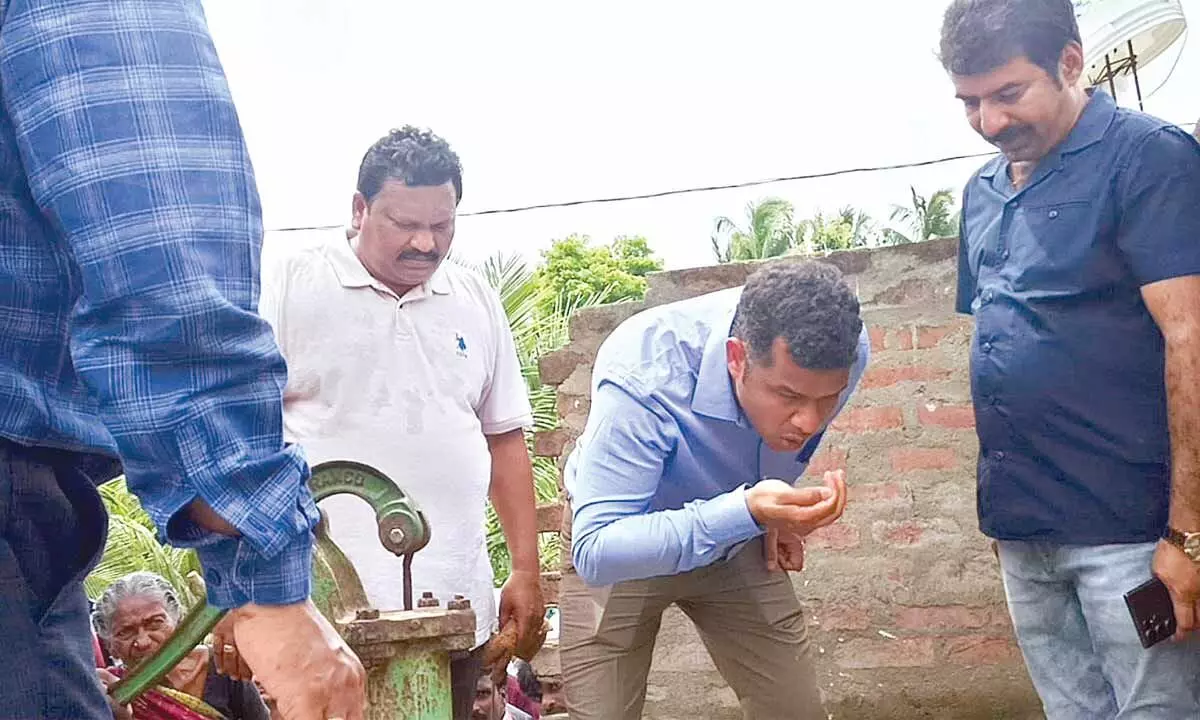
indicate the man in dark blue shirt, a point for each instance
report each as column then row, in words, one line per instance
column 1080, row 260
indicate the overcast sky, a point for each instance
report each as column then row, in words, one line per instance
column 557, row 101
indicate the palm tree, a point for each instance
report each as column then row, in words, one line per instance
column 132, row 546
column 770, row 231
column 862, row 225
column 536, row 332
column 924, row 219
column 849, row 228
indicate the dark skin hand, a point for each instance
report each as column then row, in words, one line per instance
column 224, row 647
column 784, row 551
column 512, row 495
column 776, row 505
column 1175, row 306
column 203, row 515
column 120, row 712
column 291, row 649
column 790, row 514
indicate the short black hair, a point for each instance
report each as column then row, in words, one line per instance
column 809, row 305
column 528, row 681
column 415, row 157
column 979, row 36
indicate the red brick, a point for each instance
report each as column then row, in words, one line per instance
column 862, row 654
column 888, row 376
column 1000, row 618
column 878, row 337
column 838, row 536
column 551, row 443
column 948, row 617
column 826, row 460
column 903, row 534
column 869, row 419
column 555, row 367
column 981, row 650
column 874, row 491
column 843, row 617
column 550, row 517
column 948, row 416
column 928, row 337
column 911, row 459
column 904, row 339
column 573, row 405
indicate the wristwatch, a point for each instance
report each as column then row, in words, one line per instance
column 1188, row 542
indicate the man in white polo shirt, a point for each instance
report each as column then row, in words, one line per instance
column 406, row 363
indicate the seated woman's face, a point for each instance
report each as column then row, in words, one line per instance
column 139, row 627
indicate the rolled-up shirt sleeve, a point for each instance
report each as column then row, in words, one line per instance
column 617, row 468
column 134, row 153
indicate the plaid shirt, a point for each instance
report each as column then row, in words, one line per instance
column 130, row 234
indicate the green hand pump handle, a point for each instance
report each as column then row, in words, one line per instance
column 403, row 530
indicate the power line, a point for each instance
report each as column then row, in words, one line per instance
column 706, row 188
column 729, row 186
column 302, row 228
column 691, row 190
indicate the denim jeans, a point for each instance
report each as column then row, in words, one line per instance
column 52, row 530
column 1078, row 640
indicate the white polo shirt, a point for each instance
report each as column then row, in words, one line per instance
column 410, row 385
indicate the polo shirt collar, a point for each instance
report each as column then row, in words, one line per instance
column 1090, row 128
column 351, row 273
column 714, row 396
column 1092, row 125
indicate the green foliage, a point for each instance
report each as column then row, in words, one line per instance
column 573, row 271
column 848, row 229
column 538, row 314
column 132, row 546
column 925, row 218
column 770, row 231
column 633, row 254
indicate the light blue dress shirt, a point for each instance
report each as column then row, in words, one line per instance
column 658, row 479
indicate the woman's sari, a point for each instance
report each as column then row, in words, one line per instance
column 164, row 703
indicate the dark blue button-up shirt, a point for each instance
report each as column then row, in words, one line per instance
column 130, row 233
column 1067, row 365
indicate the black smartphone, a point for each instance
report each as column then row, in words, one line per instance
column 1152, row 611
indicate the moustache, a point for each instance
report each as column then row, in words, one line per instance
column 420, row 256
column 1008, row 136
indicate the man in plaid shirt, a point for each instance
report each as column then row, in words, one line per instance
column 130, row 232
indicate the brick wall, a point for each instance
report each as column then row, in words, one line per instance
column 905, row 604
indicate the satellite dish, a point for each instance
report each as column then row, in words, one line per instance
column 1120, row 37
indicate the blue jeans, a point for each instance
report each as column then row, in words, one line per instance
column 52, row 530
column 1079, row 643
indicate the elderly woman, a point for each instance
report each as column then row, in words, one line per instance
column 134, row 617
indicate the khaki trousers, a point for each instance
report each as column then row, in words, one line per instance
column 749, row 619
